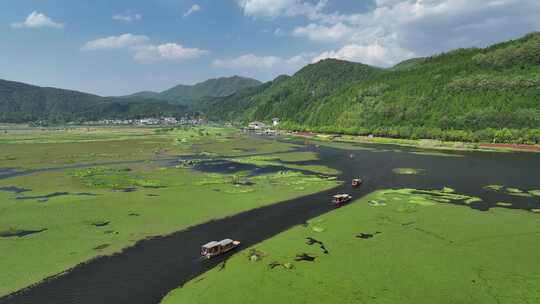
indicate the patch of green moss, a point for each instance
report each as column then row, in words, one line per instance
column 534, row 192
column 513, row 191
column 408, row 171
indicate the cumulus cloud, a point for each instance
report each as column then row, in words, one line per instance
column 144, row 51
column 375, row 54
column 323, row 33
column 115, row 42
column 275, row 8
column 37, row 20
column 251, row 61
column 127, row 17
column 193, row 9
column 394, row 30
column 167, row 51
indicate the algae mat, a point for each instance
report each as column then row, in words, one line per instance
column 405, row 248
column 52, row 220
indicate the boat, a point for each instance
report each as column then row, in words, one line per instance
column 215, row 248
column 341, row 199
column 356, row 182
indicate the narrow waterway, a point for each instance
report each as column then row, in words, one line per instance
column 146, row 272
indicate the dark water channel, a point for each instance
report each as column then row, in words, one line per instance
column 150, row 269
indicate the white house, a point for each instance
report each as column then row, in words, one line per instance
column 256, row 125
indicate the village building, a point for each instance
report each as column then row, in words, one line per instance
column 256, row 125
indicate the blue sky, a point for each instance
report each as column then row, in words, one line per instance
column 120, row 47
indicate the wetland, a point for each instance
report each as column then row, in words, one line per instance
column 137, row 204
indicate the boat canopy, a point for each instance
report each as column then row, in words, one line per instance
column 225, row 242
column 210, row 244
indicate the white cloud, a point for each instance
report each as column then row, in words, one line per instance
column 251, row 61
column 127, row 17
column 247, row 61
column 375, row 54
column 115, row 42
column 193, row 9
column 394, row 30
column 37, row 20
column 143, row 50
column 167, row 51
column 275, row 8
column 323, row 33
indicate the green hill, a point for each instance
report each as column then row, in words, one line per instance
column 186, row 94
column 490, row 94
column 21, row 102
column 289, row 97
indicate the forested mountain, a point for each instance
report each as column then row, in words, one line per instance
column 290, row 97
column 186, row 94
column 21, row 102
column 466, row 94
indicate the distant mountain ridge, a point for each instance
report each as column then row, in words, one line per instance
column 188, row 94
column 20, row 102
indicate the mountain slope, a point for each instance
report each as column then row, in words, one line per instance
column 21, row 102
column 290, row 98
column 186, row 94
column 466, row 94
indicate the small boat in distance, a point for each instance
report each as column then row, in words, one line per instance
column 341, row 199
column 214, row 248
column 356, row 182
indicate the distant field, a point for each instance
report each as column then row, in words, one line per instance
column 392, row 246
column 53, row 220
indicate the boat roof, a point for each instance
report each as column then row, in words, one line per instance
column 225, row 242
column 341, row 195
column 210, row 244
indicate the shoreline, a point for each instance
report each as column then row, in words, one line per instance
column 431, row 144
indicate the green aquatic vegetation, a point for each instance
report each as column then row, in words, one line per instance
column 473, row 200
column 494, row 187
column 318, row 229
column 112, row 178
column 239, row 190
column 214, row 179
column 287, row 160
column 423, row 201
column 187, row 164
column 534, row 192
column 408, row 171
column 434, row 242
column 419, row 197
column 448, row 190
column 513, row 191
column 441, row 154
column 189, row 198
column 72, row 236
column 375, row 203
